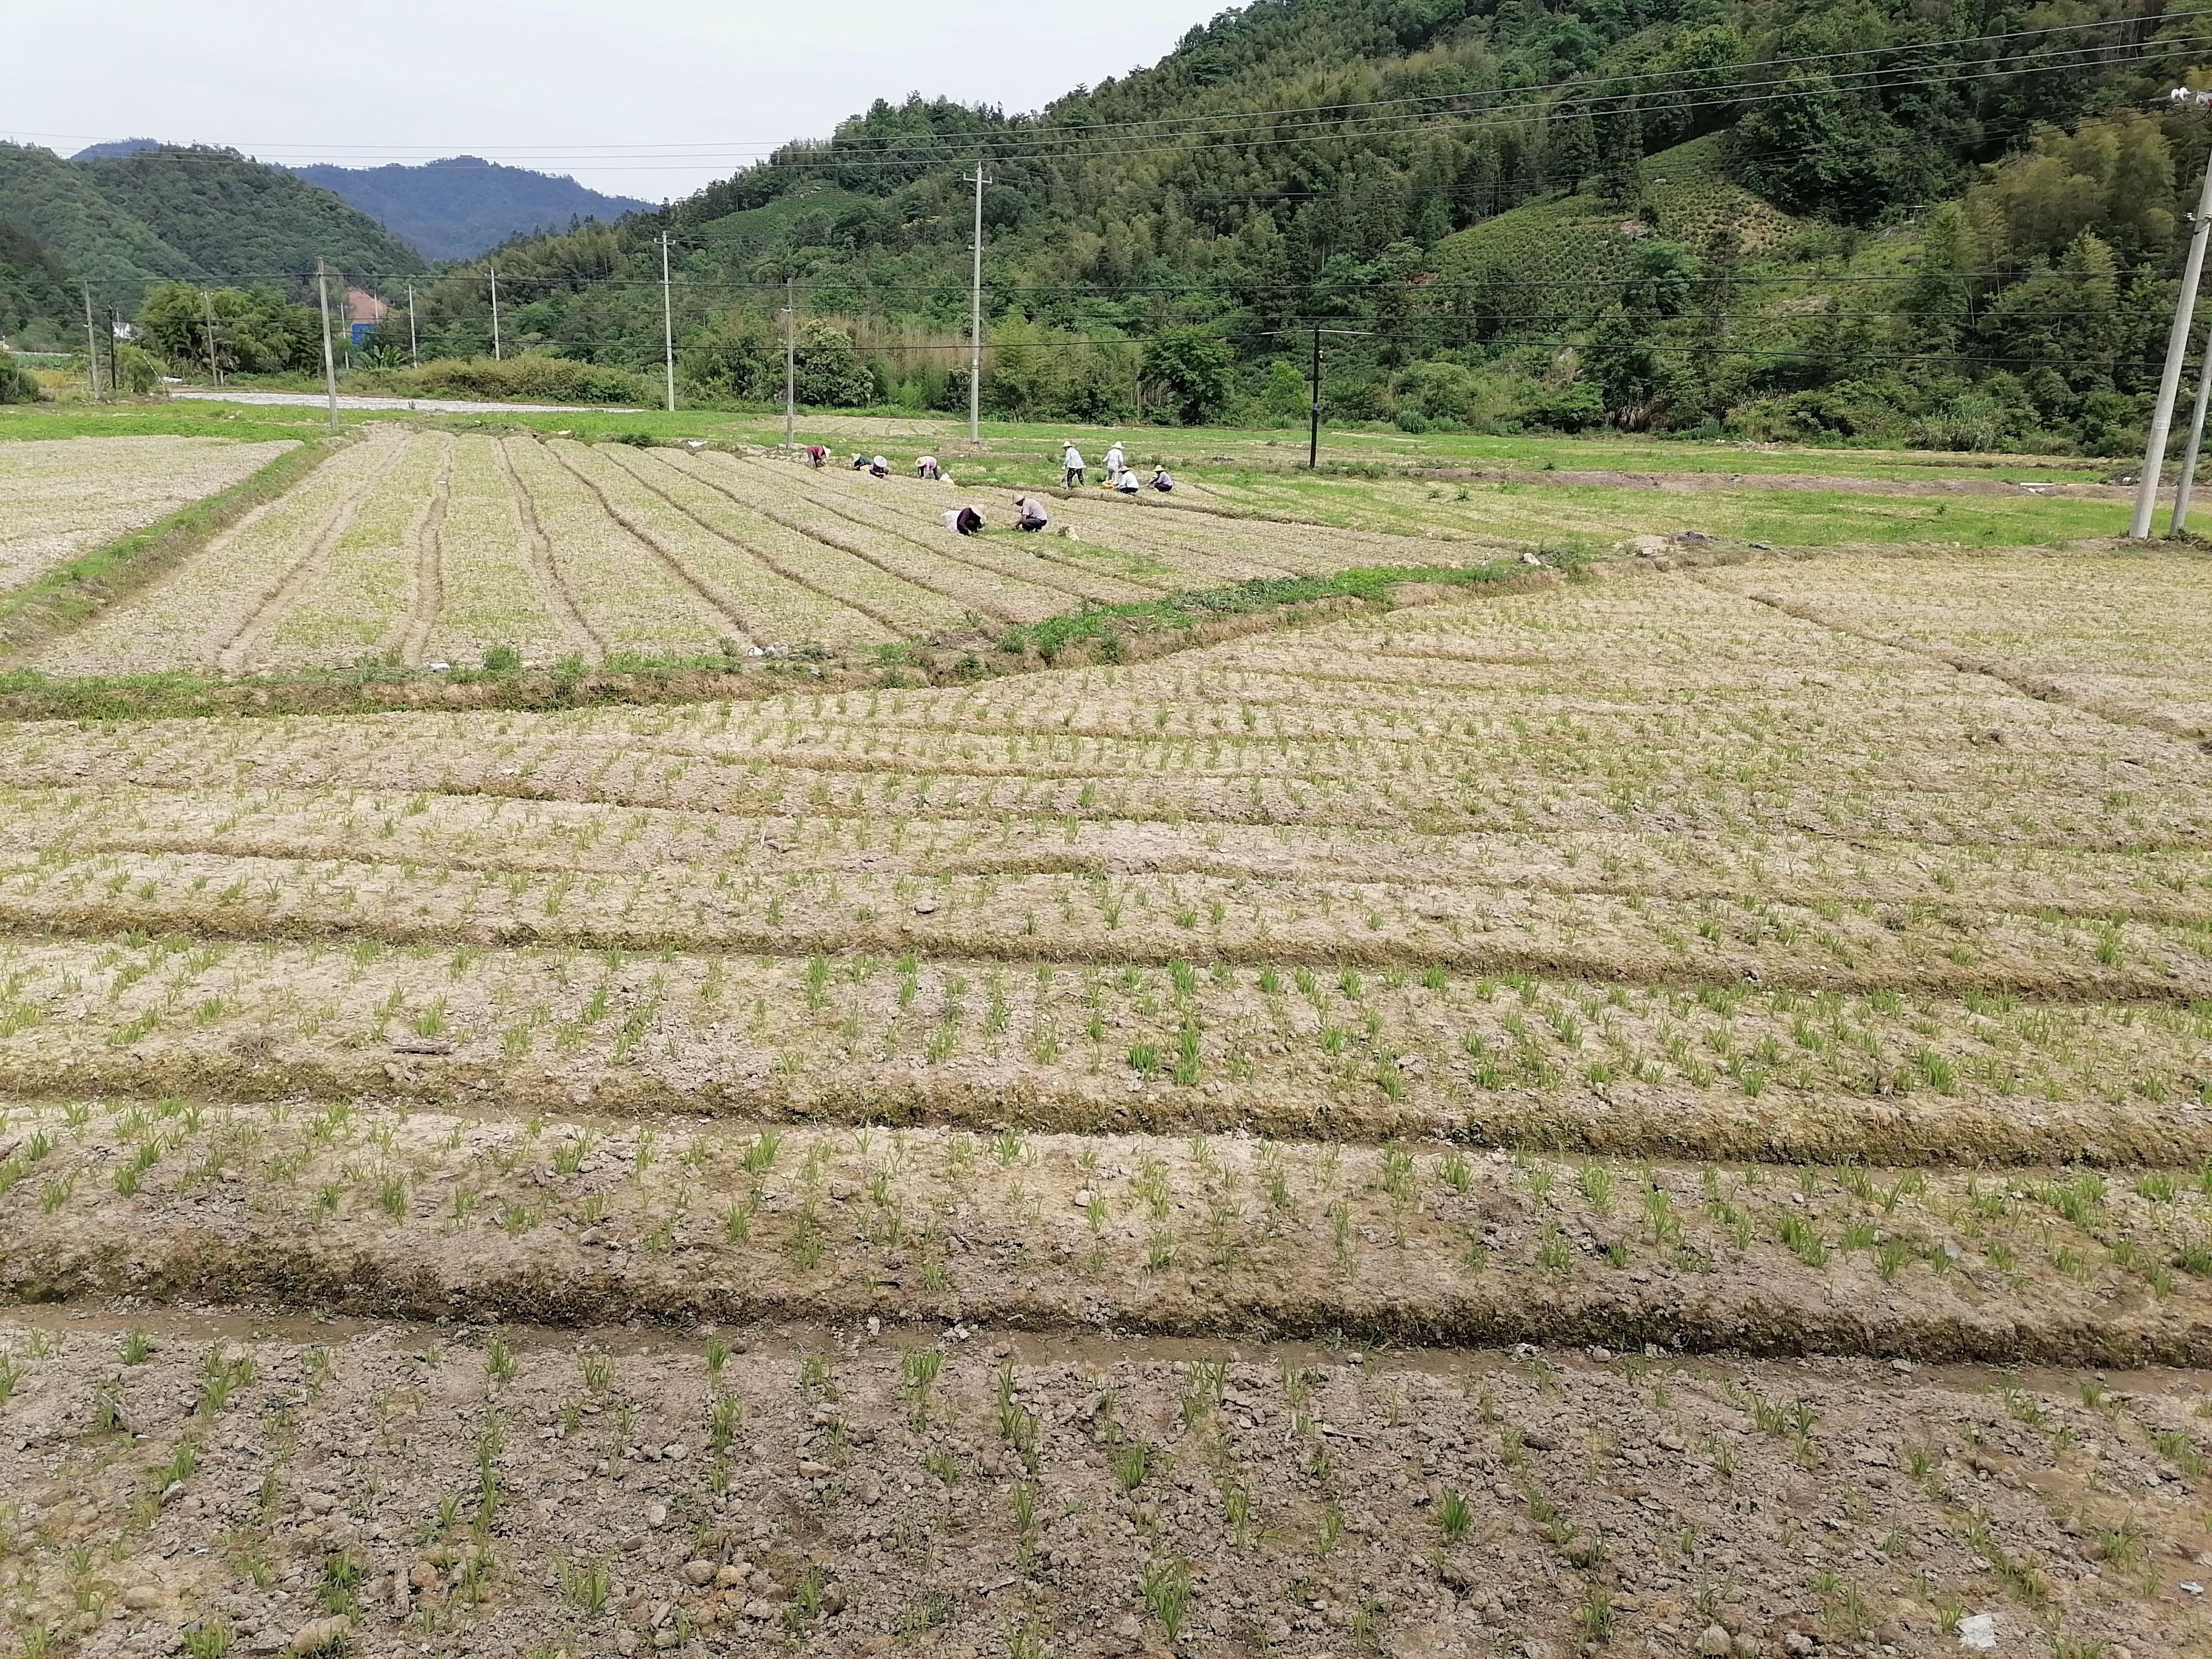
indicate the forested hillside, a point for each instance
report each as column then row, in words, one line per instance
column 127, row 222
column 1660, row 213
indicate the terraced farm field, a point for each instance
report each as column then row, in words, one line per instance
column 62, row 497
column 1662, row 1114
column 418, row 547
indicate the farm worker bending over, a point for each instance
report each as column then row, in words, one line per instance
column 926, row 467
column 860, row 462
column 1161, row 481
column 1032, row 512
column 816, row 455
column 1071, row 466
column 1114, row 461
column 1126, row 481
column 879, row 468
column 966, row 520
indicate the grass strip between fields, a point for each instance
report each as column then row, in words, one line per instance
column 1096, row 634
column 1374, row 585
column 74, row 592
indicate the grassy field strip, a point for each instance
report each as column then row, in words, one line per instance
column 1228, row 1486
column 1149, row 1234
column 191, row 615
column 62, row 498
column 1601, row 515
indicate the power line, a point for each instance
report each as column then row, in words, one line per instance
column 1610, row 88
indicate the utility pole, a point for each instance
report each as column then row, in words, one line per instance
column 667, row 324
column 1313, row 442
column 2177, row 347
column 496, row 357
column 790, row 364
column 330, row 370
column 91, row 345
column 2182, row 488
column 975, row 320
column 214, row 370
column 414, row 356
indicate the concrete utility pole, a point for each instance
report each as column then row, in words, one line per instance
column 790, row 364
column 2177, row 348
column 2187, row 483
column 494, row 314
column 330, row 368
column 414, row 356
column 214, row 369
column 91, row 345
column 975, row 321
column 667, row 324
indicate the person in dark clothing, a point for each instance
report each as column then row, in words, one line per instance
column 969, row 523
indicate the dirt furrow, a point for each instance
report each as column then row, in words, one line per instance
column 2042, row 687
column 426, row 591
column 710, row 593
column 233, row 656
column 796, row 578
column 929, row 550
column 814, row 532
column 551, row 581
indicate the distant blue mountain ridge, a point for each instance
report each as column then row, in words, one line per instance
column 459, row 207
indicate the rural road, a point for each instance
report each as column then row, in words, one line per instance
column 419, row 405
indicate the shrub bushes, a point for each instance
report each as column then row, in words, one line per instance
column 528, row 378
column 16, row 385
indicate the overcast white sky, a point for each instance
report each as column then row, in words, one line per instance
column 650, row 101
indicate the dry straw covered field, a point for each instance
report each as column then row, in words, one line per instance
column 1663, row 1112
column 429, row 547
column 62, row 497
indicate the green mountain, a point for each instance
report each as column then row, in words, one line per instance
column 127, row 221
column 1701, row 214
column 33, row 285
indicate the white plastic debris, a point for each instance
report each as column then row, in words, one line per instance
column 1979, row 1631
